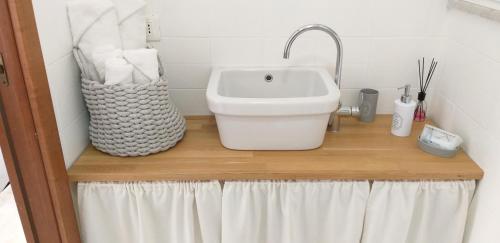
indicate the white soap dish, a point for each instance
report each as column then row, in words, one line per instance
column 439, row 142
column 431, row 149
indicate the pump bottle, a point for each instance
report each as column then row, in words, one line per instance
column 404, row 108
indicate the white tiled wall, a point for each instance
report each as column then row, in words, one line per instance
column 466, row 102
column 63, row 75
column 382, row 41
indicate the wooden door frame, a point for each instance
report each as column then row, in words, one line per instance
column 28, row 132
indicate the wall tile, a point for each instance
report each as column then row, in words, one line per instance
column 237, row 18
column 442, row 111
column 63, row 75
column 386, row 100
column 188, row 76
column 350, row 97
column 65, row 88
column 302, row 53
column 347, row 18
column 436, row 18
column 190, row 101
column 261, row 52
column 354, row 76
column 355, row 50
column 186, row 18
column 399, row 17
column 475, row 32
column 154, row 6
column 393, row 61
column 51, row 16
column 471, row 75
column 484, row 211
column 184, row 50
column 74, row 138
column 236, row 51
column 282, row 22
column 482, row 225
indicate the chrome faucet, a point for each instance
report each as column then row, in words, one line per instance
column 334, row 122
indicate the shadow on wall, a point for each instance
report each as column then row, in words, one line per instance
column 4, row 179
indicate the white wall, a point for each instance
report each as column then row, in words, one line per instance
column 4, row 178
column 466, row 102
column 382, row 41
column 63, row 75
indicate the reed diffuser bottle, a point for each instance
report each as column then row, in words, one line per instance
column 421, row 109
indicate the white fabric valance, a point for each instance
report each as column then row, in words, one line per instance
column 150, row 212
column 417, row 212
column 293, row 212
column 274, row 212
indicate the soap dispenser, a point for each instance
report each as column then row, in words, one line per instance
column 404, row 108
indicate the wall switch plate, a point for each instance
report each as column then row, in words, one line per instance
column 153, row 28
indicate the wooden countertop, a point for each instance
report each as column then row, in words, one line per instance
column 364, row 151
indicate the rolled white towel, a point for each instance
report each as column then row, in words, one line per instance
column 118, row 71
column 93, row 23
column 100, row 55
column 145, row 62
column 132, row 19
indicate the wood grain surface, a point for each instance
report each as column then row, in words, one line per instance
column 360, row 151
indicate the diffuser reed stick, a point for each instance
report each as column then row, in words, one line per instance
column 420, row 111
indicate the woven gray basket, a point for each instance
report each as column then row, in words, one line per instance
column 132, row 120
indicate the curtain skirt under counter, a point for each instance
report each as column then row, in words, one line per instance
column 274, row 212
column 417, row 212
column 150, row 212
column 294, row 212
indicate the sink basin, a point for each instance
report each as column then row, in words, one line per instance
column 272, row 108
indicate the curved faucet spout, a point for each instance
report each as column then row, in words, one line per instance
column 329, row 31
column 334, row 122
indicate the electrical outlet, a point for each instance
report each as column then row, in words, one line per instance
column 153, row 28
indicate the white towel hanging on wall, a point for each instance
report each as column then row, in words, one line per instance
column 293, row 212
column 150, row 212
column 417, row 212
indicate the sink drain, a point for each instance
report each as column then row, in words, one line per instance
column 268, row 78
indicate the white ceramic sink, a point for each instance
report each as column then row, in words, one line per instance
column 272, row 108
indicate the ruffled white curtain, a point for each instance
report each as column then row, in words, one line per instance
column 293, row 212
column 417, row 212
column 150, row 212
column 274, row 212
